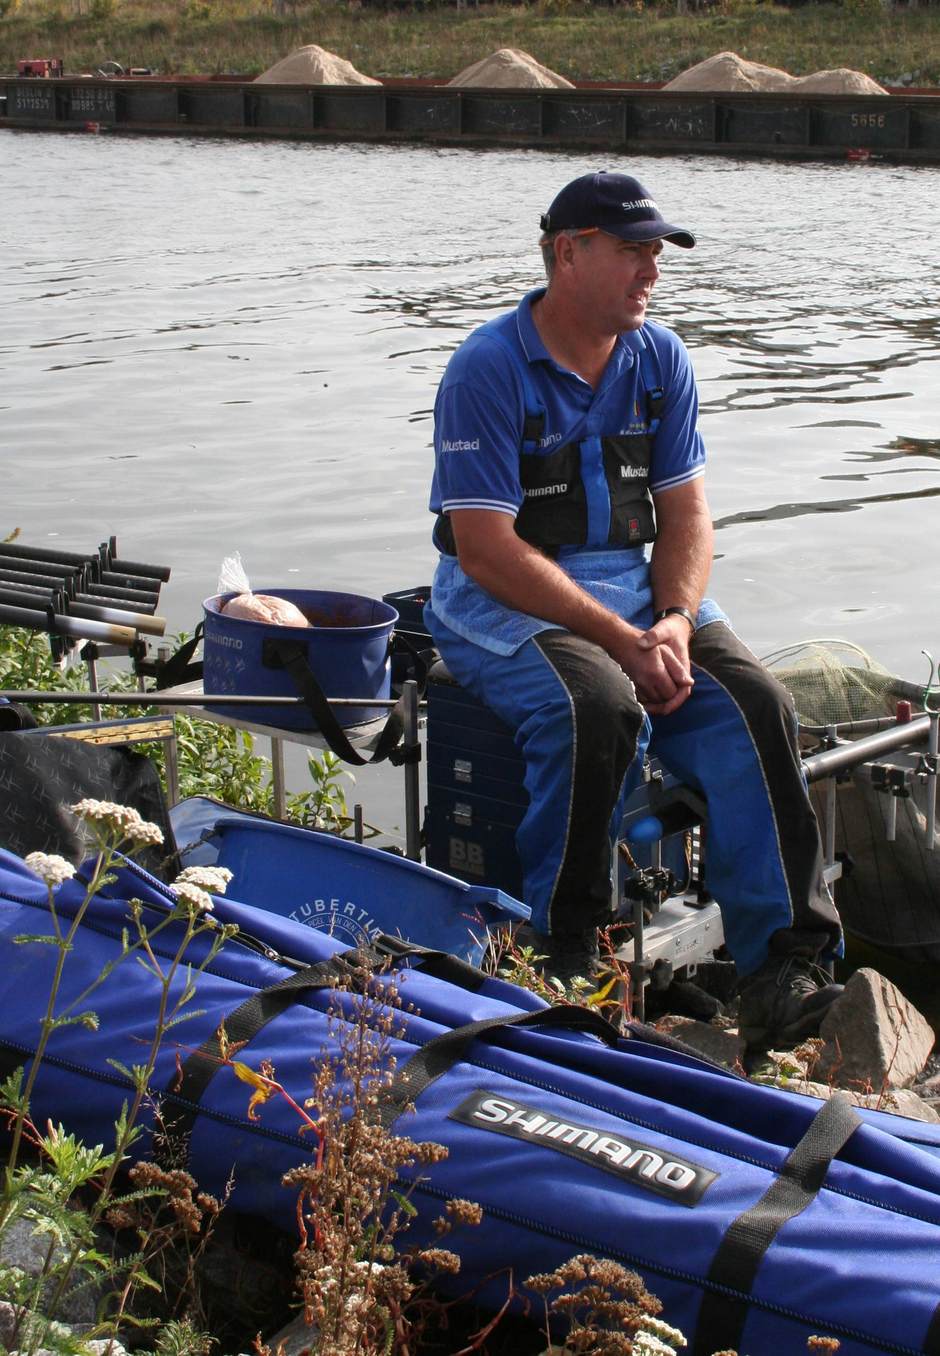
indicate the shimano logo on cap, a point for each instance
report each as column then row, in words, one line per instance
column 638, row 203
column 656, row 1170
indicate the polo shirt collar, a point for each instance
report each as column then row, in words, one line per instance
column 625, row 353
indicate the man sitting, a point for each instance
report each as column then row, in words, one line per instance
column 576, row 545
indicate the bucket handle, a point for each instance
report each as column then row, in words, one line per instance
column 290, row 655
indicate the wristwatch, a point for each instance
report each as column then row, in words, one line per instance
column 675, row 612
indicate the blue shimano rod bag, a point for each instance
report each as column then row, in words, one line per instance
column 759, row 1217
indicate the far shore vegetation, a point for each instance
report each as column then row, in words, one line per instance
column 619, row 42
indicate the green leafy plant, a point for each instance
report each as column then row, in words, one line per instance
column 324, row 807
column 60, row 1187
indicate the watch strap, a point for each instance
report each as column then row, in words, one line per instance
column 675, row 612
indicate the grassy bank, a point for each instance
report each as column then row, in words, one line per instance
column 630, row 41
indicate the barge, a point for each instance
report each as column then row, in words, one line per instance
column 898, row 127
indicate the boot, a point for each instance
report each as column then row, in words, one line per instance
column 784, row 1001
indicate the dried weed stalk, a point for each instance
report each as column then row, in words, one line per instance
column 362, row 1293
column 607, row 1309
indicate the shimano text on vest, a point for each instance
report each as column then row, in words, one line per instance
column 540, row 491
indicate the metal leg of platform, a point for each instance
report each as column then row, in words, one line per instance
column 172, row 765
column 277, row 778
column 412, row 746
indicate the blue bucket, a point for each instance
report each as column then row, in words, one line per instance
column 346, row 889
column 347, row 650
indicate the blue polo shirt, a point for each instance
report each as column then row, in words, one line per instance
column 481, row 407
column 479, row 416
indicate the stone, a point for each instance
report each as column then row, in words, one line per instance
column 874, row 1037
column 22, row 1247
column 295, row 1339
column 63, row 1335
column 897, row 1101
column 723, row 1046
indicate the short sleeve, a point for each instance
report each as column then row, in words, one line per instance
column 678, row 453
column 478, row 420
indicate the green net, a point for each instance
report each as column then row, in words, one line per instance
column 833, row 682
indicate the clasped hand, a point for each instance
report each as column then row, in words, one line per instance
column 658, row 662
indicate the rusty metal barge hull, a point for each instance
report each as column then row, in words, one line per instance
column 903, row 127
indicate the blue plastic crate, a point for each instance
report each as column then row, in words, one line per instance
column 347, row 889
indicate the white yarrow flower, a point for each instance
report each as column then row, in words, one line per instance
column 187, row 893
column 119, row 819
column 657, row 1338
column 214, row 879
column 50, row 867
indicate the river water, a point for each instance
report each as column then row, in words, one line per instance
column 211, row 346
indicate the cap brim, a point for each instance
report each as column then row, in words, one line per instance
column 652, row 230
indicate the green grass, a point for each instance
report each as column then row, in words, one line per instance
column 621, row 42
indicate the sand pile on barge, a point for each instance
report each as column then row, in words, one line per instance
column 509, row 68
column 726, row 71
column 842, row 80
column 313, row 65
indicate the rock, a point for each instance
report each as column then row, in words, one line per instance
column 898, row 1101
column 313, row 65
column 874, row 1038
column 295, row 1339
column 6, row 1323
column 509, row 68
column 63, row 1336
column 725, row 1047
column 25, row 1249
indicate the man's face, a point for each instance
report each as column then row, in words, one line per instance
column 614, row 280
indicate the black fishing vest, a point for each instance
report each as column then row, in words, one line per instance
column 559, row 497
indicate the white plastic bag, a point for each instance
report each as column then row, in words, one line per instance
column 232, row 576
column 257, row 607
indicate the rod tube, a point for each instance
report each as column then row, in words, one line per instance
column 135, row 596
column 24, row 596
column 106, row 600
column 30, row 566
column 130, row 581
column 828, row 762
column 24, row 616
column 161, row 572
column 10, row 548
column 165, row 698
column 151, row 626
column 20, row 578
column 76, row 628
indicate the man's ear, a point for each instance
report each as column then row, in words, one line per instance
column 564, row 251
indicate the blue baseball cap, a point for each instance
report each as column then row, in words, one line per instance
column 615, row 203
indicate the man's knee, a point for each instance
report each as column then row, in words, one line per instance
column 601, row 698
column 763, row 700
